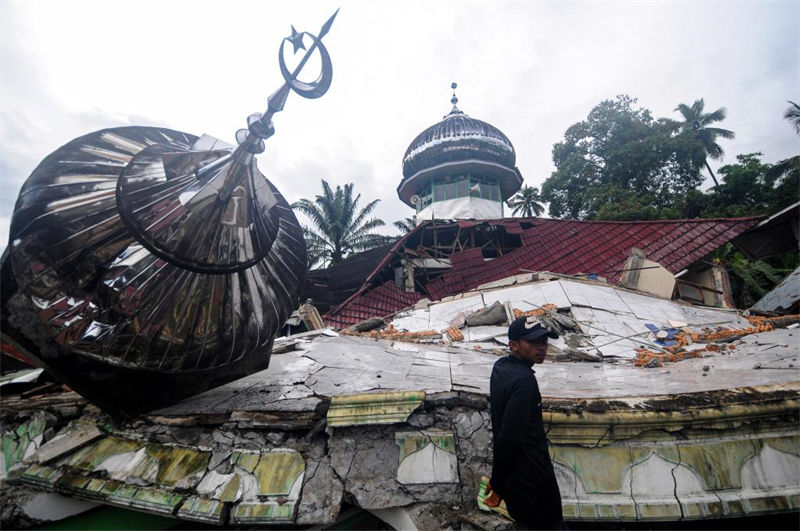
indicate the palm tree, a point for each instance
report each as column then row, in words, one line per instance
column 695, row 121
column 793, row 115
column 406, row 225
column 527, row 201
column 339, row 226
column 791, row 166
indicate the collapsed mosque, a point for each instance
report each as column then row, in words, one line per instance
column 663, row 403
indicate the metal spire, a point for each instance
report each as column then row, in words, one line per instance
column 260, row 127
column 454, row 99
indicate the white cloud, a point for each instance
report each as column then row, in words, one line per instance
column 531, row 69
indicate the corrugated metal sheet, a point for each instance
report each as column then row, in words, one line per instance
column 783, row 297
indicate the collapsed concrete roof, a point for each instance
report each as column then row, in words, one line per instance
column 401, row 424
column 438, row 258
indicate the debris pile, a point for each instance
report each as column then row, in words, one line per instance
column 409, row 399
column 538, row 312
column 455, row 334
column 648, row 358
column 774, row 321
column 686, row 344
column 388, row 426
column 390, row 332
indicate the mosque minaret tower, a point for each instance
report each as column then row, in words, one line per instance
column 459, row 168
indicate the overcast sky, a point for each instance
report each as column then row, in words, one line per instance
column 532, row 69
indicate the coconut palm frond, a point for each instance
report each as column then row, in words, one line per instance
column 527, row 202
column 695, row 122
column 793, row 115
column 406, row 225
column 339, row 225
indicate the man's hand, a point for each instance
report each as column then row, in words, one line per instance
column 492, row 498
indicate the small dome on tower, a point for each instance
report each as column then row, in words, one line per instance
column 459, row 144
column 458, row 137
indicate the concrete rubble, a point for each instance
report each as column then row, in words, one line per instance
column 395, row 421
column 597, row 321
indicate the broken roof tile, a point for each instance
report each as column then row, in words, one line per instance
column 560, row 246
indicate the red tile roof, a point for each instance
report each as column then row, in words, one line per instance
column 379, row 302
column 559, row 246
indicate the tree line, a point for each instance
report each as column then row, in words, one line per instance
column 620, row 163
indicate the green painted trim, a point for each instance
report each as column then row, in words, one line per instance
column 414, row 441
column 373, row 408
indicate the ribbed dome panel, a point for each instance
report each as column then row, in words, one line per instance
column 457, row 137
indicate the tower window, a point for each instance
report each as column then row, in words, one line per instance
column 455, row 186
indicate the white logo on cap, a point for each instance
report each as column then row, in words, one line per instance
column 530, row 322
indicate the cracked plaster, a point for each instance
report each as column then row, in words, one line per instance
column 695, row 454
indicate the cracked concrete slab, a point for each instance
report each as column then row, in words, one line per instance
column 322, row 494
column 699, row 438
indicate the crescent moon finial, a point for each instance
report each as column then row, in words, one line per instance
column 259, row 126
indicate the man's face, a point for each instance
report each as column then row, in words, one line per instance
column 530, row 352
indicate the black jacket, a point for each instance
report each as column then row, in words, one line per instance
column 522, row 472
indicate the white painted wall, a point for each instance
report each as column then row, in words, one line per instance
column 462, row 208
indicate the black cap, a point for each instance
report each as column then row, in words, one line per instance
column 529, row 329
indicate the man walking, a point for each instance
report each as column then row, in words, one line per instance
column 522, row 473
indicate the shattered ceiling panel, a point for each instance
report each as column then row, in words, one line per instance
column 484, row 333
column 593, row 296
column 611, row 331
column 529, row 296
column 443, row 313
column 413, row 321
column 699, row 316
column 652, row 309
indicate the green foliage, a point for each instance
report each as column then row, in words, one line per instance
column 789, row 169
column 752, row 279
column 695, row 125
column 526, row 201
column 623, row 156
column 626, row 205
column 749, row 187
column 406, row 225
column 793, row 115
column 622, row 164
column 339, row 226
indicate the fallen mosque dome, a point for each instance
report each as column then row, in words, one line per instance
column 663, row 403
column 147, row 264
